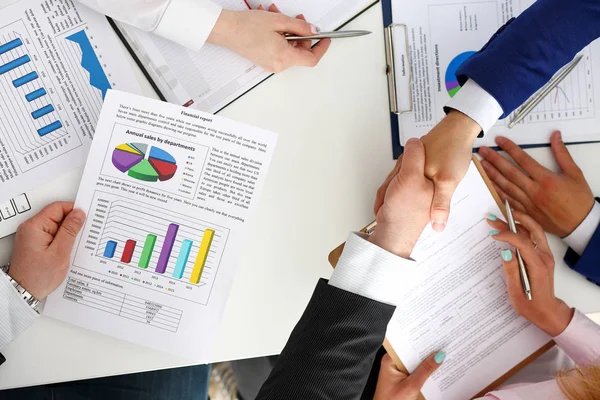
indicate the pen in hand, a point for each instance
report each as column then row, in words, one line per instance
column 329, row 35
column 522, row 270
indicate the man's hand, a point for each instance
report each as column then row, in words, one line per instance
column 559, row 202
column 394, row 384
column 448, row 148
column 43, row 246
column 405, row 209
column 257, row 35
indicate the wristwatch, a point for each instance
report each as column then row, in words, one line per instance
column 25, row 295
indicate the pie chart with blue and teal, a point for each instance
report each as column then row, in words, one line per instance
column 143, row 162
column 452, row 85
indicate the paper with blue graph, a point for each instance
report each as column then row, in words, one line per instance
column 57, row 61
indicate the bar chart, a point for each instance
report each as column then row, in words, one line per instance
column 32, row 116
column 158, row 248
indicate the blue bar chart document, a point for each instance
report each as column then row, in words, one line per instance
column 52, row 86
column 156, row 257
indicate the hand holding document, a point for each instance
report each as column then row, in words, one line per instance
column 169, row 194
column 458, row 302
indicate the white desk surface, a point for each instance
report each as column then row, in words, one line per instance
column 333, row 152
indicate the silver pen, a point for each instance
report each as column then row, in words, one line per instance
column 522, row 270
column 329, row 35
column 555, row 81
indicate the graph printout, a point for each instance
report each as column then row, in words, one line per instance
column 57, row 62
column 169, row 194
column 443, row 34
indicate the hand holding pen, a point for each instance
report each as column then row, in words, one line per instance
column 547, row 312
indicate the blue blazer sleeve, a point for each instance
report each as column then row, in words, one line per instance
column 526, row 52
column 588, row 264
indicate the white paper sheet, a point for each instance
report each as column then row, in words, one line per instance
column 169, row 194
column 210, row 79
column 441, row 33
column 458, row 302
column 67, row 57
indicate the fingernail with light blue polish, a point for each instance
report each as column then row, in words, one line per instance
column 507, row 255
column 494, row 232
column 492, row 217
column 439, row 357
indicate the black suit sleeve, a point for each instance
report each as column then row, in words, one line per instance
column 331, row 350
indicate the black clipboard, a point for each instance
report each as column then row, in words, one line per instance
column 389, row 28
column 148, row 77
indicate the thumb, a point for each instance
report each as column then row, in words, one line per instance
column 563, row 157
column 418, row 378
column 440, row 207
column 70, row 227
column 297, row 26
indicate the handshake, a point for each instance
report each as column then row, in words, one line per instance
column 420, row 187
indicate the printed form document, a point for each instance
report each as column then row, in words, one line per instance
column 213, row 77
column 458, row 302
column 57, row 61
column 442, row 34
column 169, row 195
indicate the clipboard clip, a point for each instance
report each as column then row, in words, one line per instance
column 391, row 68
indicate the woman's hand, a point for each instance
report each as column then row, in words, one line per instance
column 258, row 36
column 560, row 202
column 393, row 384
column 547, row 312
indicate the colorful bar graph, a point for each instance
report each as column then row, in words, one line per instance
column 49, row 128
column 182, row 259
column 25, row 79
column 9, row 66
column 147, row 251
column 202, row 256
column 165, row 252
column 128, row 251
column 109, row 250
column 42, row 111
column 13, row 44
column 36, row 94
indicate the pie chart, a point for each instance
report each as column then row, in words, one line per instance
column 452, row 85
column 143, row 162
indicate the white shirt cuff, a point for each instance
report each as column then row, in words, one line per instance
column 15, row 314
column 473, row 101
column 579, row 239
column 369, row 271
column 189, row 22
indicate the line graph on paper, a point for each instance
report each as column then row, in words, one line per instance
column 32, row 118
column 572, row 99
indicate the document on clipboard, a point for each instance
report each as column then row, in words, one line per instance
column 426, row 42
column 455, row 299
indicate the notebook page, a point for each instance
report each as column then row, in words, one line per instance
column 458, row 302
column 213, row 77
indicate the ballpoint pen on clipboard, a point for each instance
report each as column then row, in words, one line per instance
column 542, row 93
column 522, row 270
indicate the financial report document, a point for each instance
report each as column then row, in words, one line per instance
column 213, row 77
column 57, row 61
column 458, row 303
column 169, row 194
column 442, row 34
